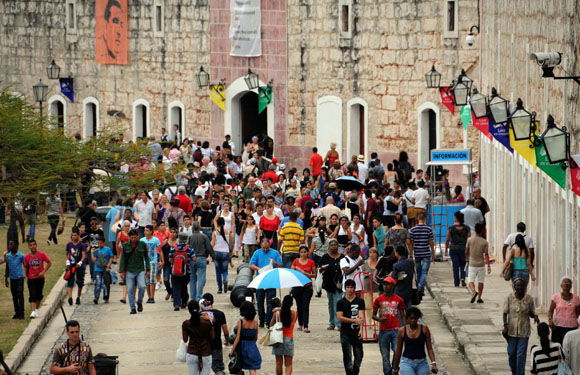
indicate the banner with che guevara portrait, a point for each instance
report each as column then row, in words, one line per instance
column 111, row 31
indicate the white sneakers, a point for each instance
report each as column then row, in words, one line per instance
column 158, row 286
column 34, row 314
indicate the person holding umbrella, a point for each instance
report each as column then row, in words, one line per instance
column 262, row 258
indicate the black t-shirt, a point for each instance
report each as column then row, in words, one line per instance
column 332, row 274
column 350, row 309
column 220, row 320
column 385, row 266
column 93, row 236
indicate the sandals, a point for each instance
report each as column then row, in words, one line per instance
column 330, row 328
column 306, row 330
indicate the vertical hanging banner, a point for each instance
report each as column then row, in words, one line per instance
column 111, row 31
column 481, row 124
column 575, row 173
column 217, row 94
column 264, row 97
column 501, row 134
column 245, row 28
column 465, row 115
column 523, row 147
column 447, row 98
column 67, row 88
column 555, row 171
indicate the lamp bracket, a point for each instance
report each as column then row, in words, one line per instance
column 473, row 27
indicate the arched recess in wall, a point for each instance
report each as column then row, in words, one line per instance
column 428, row 132
column 91, row 117
column 329, row 124
column 240, row 120
column 176, row 115
column 57, row 111
column 357, row 136
column 141, row 119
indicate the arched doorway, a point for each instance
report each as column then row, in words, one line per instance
column 428, row 137
column 140, row 119
column 252, row 123
column 57, row 112
column 176, row 117
column 357, row 128
column 90, row 120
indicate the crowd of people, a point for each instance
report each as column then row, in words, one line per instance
column 371, row 236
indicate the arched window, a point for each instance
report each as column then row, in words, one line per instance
column 57, row 111
column 141, row 120
column 176, row 116
column 91, row 121
column 357, row 127
column 329, row 124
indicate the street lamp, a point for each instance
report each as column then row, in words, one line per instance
column 53, row 70
column 556, row 142
column 460, row 92
column 202, row 78
column 498, row 108
column 433, row 78
column 252, row 80
column 478, row 104
column 522, row 122
column 40, row 90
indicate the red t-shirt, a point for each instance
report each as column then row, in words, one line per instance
column 184, row 203
column 35, row 264
column 309, row 267
column 269, row 225
column 316, row 164
column 389, row 308
column 271, row 175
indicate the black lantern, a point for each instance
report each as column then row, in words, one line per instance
column 460, row 92
column 556, row 142
column 468, row 81
column 202, row 78
column 252, row 80
column 53, row 70
column 478, row 103
column 433, row 78
column 522, row 122
column 40, row 90
column 498, row 108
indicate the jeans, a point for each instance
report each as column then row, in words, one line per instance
column 287, row 260
column 517, row 348
column 333, row 299
column 458, row 260
column 193, row 364
column 413, row 366
column 347, row 342
column 207, row 232
column 422, row 269
column 222, row 261
column 387, row 342
column 521, row 274
column 167, row 278
column 179, row 290
column 303, row 295
column 197, row 277
column 17, row 290
column 267, row 295
column 53, row 221
column 133, row 279
column 100, row 284
column 32, row 227
column 91, row 264
column 141, row 232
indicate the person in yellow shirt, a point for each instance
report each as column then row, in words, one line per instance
column 289, row 240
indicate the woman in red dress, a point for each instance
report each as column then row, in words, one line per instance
column 269, row 226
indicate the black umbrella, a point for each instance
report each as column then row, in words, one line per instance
column 349, row 183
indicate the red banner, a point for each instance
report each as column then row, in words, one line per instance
column 482, row 124
column 575, row 173
column 447, row 98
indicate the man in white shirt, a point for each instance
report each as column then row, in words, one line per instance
column 362, row 168
column 231, row 143
column 176, row 135
column 144, row 209
column 420, row 198
column 511, row 240
column 351, row 264
column 258, row 214
column 471, row 216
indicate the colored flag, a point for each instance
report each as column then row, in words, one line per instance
column 575, row 173
column 264, row 97
column 67, row 88
column 217, row 94
column 447, row 98
column 465, row 115
column 555, row 171
column 501, row 134
column 523, row 147
column 481, row 124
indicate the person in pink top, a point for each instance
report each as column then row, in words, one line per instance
column 564, row 311
column 35, row 271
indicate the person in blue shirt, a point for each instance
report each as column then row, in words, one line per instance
column 264, row 257
column 179, row 283
column 156, row 260
column 115, row 211
column 102, row 259
column 15, row 272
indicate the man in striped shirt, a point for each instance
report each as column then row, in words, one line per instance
column 423, row 249
column 291, row 236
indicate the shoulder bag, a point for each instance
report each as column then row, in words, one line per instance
column 508, row 272
column 276, row 332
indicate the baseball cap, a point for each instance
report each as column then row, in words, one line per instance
column 274, row 160
column 282, row 167
column 390, row 280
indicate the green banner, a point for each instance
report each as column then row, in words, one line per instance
column 264, row 97
column 555, row 171
column 465, row 116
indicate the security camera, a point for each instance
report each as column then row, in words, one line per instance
column 547, row 59
column 470, row 39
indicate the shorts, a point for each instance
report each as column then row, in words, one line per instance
column 217, row 361
column 79, row 276
column 286, row 348
column 152, row 274
column 476, row 273
column 35, row 287
column 411, row 213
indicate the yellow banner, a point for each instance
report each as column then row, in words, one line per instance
column 523, row 147
column 218, row 95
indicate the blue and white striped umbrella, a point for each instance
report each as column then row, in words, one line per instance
column 279, row 278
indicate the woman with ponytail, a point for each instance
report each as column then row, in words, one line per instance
column 285, row 351
column 457, row 236
column 519, row 255
column 197, row 333
column 545, row 357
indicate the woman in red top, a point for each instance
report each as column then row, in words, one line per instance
column 284, row 352
column 122, row 237
column 331, row 155
column 303, row 294
column 269, row 224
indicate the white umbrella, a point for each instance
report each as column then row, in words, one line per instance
column 279, row 278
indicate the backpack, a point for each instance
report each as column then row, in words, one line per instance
column 197, row 155
column 180, row 264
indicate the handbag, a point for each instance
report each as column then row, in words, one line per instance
column 276, row 333
column 265, row 339
column 235, row 364
column 391, row 206
column 508, row 272
column 563, row 369
column 181, row 350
